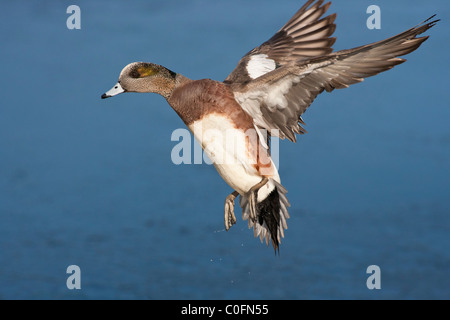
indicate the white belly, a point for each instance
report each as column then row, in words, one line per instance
column 226, row 146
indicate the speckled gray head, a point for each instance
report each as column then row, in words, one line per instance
column 142, row 77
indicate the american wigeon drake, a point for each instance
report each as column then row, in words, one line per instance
column 265, row 95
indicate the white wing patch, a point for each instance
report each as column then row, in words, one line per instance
column 259, row 65
column 272, row 96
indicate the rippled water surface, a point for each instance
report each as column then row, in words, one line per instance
column 90, row 182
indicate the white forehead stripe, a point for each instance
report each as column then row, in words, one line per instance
column 259, row 65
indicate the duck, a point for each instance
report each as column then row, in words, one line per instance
column 265, row 96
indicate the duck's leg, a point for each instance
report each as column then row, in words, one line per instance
column 252, row 195
column 230, row 218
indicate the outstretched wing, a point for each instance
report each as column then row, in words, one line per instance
column 302, row 37
column 277, row 99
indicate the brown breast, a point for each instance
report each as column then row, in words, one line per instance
column 194, row 99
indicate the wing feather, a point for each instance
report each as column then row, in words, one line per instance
column 302, row 37
column 277, row 99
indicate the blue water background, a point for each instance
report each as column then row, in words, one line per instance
column 90, row 182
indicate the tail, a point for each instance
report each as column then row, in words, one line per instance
column 271, row 214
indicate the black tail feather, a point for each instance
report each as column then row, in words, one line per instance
column 268, row 212
column 271, row 215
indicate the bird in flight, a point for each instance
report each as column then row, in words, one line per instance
column 264, row 96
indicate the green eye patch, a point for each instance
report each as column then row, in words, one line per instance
column 144, row 71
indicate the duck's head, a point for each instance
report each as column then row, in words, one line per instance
column 144, row 77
